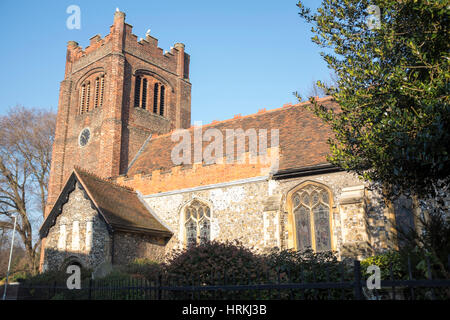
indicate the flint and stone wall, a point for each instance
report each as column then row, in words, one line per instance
column 129, row 246
column 77, row 211
column 84, row 238
column 253, row 211
column 256, row 214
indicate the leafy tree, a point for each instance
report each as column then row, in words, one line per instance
column 392, row 69
column 26, row 138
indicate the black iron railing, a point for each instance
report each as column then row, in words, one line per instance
column 280, row 284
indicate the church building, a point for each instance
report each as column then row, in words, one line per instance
column 129, row 177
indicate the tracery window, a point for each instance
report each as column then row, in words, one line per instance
column 197, row 223
column 311, row 213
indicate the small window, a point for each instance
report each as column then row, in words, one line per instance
column 161, row 101
column 197, row 217
column 144, row 93
column 88, row 96
column 97, row 92
column 102, row 90
column 82, row 98
column 137, row 92
column 155, row 98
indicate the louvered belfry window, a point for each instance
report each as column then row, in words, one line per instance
column 161, row 100
column 88, row 97
column 137, row 92
column 99, row 88
column 87, row 101
column 82, row 98
column 149, row 94
column 155, row 98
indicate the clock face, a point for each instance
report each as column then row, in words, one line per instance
column 84, row 137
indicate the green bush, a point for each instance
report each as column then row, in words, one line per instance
column 216, row 262
column 386, row 262
column 233, row 264
column 310, row 267
column 144, row 267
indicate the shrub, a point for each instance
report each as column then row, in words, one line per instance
column 222, row 261
column 144, row 267
column 386, row 261
column 232, row 263
column 309, row 267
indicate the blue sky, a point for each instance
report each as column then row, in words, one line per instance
column 245, row 55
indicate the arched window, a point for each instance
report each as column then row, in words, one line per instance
column 85, row 92
column 98, row 86
column 197, row 223
column 140, row 92
column 311, row 215
column 150, row 94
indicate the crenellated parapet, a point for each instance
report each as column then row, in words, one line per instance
column 197, row 174
column 121, row 39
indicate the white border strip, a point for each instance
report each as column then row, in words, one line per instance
column 210, row 186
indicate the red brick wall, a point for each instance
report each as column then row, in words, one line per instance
column 118, row 129
column 197, row 175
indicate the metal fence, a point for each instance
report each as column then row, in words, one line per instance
column 281, row 284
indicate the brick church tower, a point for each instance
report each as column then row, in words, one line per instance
column 115, row 94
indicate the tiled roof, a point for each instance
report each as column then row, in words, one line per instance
column 120, row 206
column 302, row 138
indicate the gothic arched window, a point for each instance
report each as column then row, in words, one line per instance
column 311, row 218
column 197, row 223
column 149, row 94
column 86, row 102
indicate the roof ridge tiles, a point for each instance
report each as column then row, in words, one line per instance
column 95, row 176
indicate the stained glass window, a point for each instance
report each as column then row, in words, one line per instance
column 311, row 210
column 197, row 223
column 322, row 228
column 303, row 228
